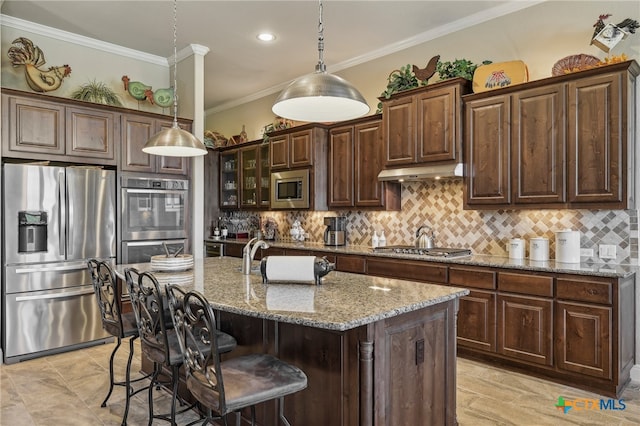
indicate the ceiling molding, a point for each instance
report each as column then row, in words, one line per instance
column 68, row 37
column 432, row 34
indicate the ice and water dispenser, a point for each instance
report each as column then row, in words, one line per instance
column 32, row 231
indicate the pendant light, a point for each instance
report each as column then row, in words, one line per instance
column 320, row 97
column 175, row 142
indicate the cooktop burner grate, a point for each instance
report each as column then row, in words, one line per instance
column 435, row 251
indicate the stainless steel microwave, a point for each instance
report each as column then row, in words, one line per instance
column 290, row 189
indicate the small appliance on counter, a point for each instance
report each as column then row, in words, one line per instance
column 334, row 233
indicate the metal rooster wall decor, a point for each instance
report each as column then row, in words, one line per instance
column 25, row 53
column 140, row 91
column 606, row 36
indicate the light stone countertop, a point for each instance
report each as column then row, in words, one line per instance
column 590, row 268
column 342, row 302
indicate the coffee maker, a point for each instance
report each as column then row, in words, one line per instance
column 334, row 233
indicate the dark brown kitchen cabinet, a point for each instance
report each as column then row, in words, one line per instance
column 476, row 324
column 407, row 269
column 38, row 126
column 598, row 139
column 296, row 147
column 424, row 125
column 560, row 142
column 137, row 129
column 355, row 159
column 487, row 145
column 229, row 179
column 255, row 176
column 538, row 145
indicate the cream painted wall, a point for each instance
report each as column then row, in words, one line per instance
column 535, row 35
column 86, row 64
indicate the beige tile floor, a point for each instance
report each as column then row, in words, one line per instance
column 67, row 389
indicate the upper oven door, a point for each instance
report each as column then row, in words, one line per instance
column 154, row 213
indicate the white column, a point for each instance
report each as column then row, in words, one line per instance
column 191, row 104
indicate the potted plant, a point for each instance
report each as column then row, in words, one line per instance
column 399, row 80
column 458, row 68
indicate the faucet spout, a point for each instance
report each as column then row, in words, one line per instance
column 249, row 252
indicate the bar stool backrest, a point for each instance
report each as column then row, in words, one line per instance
column 148, row 304
column 195, row 324
column 106, row 290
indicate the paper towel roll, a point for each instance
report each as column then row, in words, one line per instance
column 568, row 246
column 290, row 268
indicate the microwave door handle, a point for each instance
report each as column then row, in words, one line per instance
column 62, row 212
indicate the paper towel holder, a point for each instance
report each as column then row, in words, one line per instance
column 321, row 267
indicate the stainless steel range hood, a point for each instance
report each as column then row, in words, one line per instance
column 421, row 172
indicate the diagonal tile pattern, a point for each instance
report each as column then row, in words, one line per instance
column 439, row 204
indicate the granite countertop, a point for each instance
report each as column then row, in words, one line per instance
column 342, row 302
column 585, row 268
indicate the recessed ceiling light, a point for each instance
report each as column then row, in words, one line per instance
column 266, row 37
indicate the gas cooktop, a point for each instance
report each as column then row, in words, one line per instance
column 436, row 251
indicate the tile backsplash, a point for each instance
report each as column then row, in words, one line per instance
column 439, row 205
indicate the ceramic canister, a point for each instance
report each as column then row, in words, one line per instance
column 516, row 248
column 539, row 249
column 568, row 246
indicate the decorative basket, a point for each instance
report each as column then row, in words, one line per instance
column 574, row 63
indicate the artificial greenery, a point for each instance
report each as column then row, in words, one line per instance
column 457, row 68
column 399, row 80
column 96, row 92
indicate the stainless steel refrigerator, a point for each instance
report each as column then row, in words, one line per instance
column 55, row 218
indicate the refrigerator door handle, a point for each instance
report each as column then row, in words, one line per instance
column 76, row 267
column 62, row 211
column 54, row 296
column 155, row 191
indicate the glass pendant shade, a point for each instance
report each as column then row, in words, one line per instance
column 320, row 97
column 174, row 142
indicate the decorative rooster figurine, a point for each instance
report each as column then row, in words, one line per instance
column 25, row 53
column 427, row 72
column 160, row 97
column 135, row 88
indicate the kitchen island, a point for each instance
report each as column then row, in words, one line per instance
column 375, row 350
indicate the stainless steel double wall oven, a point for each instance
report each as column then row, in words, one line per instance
column 154, row 210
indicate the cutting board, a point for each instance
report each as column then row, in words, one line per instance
column 498, row 75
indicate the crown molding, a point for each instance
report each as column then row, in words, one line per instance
column 432, row 34
column 67, row 37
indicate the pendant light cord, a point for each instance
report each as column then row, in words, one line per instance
column 175, row 63
column 321, row 67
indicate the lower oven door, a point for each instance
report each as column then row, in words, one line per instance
column 46, row 320
column 141, row 251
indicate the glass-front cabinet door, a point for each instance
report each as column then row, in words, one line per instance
column 229, row 187
column 249, row 177
column 265, row 177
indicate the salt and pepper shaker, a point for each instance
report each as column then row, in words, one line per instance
column 374, row 240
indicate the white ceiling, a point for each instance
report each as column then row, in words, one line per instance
column 238, row 66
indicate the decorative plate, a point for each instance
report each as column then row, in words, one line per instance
column 574, row 63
